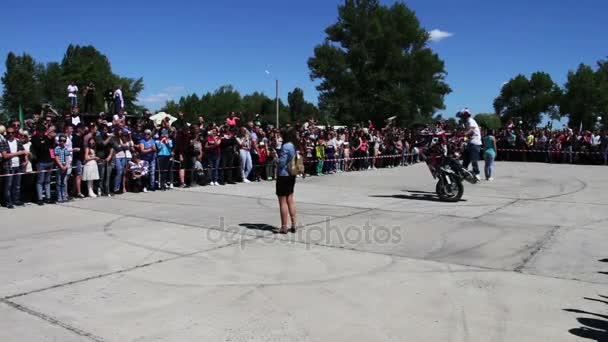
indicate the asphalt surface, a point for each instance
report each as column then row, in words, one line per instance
column 377, row 258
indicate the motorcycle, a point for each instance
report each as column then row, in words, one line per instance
column 447, row 170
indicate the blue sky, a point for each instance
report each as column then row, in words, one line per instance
column 180, row 47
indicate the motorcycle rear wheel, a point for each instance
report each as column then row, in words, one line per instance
column 450, row 192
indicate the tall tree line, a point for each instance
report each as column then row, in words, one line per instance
column 582, row 99
column 215, row 106
column 29, row 84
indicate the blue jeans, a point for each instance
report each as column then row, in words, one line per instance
column 44, row 180
column 472, row 157
column 152, row 174
column 12, row 185
column 62, row 191
column 121, row 165
column 246, row 163
column 489, row 167
column 105, row 170
column 73, row 101
column 213, row 162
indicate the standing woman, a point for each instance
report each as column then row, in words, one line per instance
column 164, row 146
column 489, row 154
column 148, row 149
column 123, row 148
column 286, row 182
column 244, row 141
column 212, row 154
column 90, row 172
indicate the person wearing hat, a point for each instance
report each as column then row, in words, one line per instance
column 473, row 151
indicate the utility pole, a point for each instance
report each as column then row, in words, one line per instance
column 277, row 99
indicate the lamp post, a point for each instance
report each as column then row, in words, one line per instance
column 276, row 97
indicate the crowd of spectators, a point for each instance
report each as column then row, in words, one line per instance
column 111, row 154
column 553, row 146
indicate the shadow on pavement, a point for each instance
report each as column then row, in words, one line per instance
column 595, row 329
column 419, row 192
column 260, row 226
column 421, row 197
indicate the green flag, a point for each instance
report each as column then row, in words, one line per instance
column 21, row 119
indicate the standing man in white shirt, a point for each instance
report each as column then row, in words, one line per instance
column 73, row 94
column 471, row 155
column 14, row 157
column 119, row 102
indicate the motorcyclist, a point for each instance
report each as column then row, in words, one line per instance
column 473, row 149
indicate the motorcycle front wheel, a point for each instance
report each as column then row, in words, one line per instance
column 449, row 192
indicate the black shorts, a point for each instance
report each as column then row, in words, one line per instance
column 285, row 185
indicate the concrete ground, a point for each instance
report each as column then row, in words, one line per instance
column 378, row 258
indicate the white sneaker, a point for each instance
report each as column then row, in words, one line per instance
column 247, row 180
column 92, row 195
column 477, row 177
column 145, row 190
column 490, row 179
column 171, row 186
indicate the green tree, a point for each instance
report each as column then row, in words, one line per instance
column 601, row 77
column 130, row 90
column 581, row 95
column 52, row 87
column 225, row 100
column 375, row 63
column 84, row 64
column 310, row 111
column 191, row 107
column 170, row 107
column 528, row 99
column 257, row 103
column 29, row 84
column 21, row 84
column 488, row 120
column 296, row 102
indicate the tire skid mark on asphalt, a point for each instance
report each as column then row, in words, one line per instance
column 536, row 248
column 107, row 274
column 51, row 320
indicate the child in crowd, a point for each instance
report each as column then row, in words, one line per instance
column 138, row 170
column 61, row 156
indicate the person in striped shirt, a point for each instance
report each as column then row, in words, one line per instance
column 62, row 154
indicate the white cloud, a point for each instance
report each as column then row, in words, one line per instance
column 174, row 89
column 167, row 94
column 437, row 35
column 154, row 98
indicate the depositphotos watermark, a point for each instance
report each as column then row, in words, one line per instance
column 322, row 233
